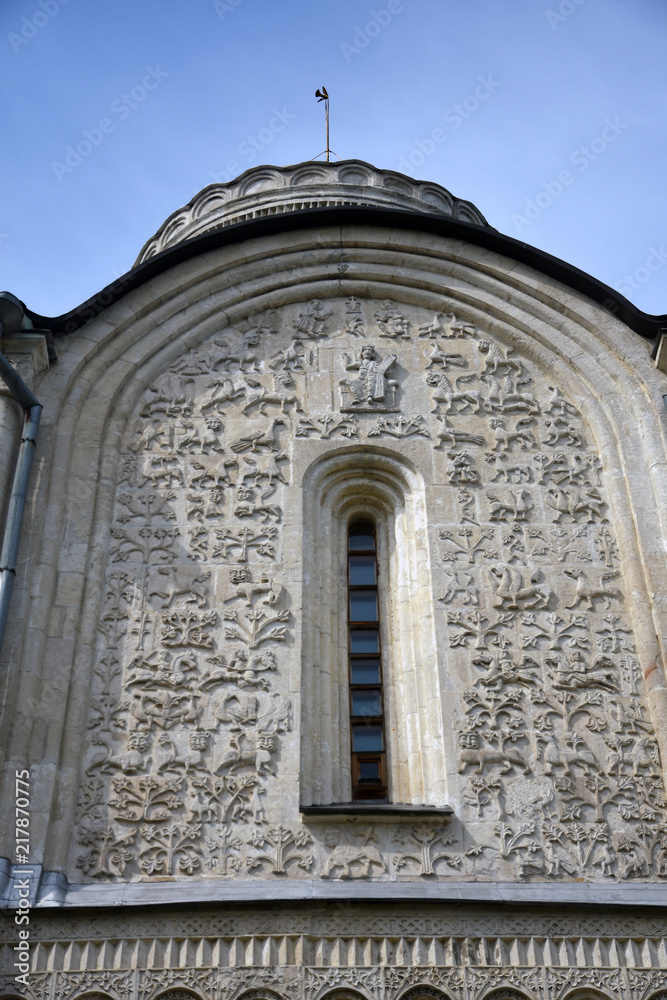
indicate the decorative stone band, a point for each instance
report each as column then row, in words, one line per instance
column 391, row 982
column 360, row 952
column 263, row 191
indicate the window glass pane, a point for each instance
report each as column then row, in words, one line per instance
column 364, row 606
column 369, row 771
column 366, row 703
column 362, row 571
column 361, row 536
column 364, row 640
column 366, row 738
column 365, row 671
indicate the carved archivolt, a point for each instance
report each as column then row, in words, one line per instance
column 259, row 994
column 223, row 471
column 343, row 994
column 586, row 994
column 518, row 697
column 504, row 994
column 419, row 992
column 177, row 994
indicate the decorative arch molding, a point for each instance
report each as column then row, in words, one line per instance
column 177, row 993
column 587, row 993
column 505, row 993
column 96, row 995
column 106, row 366
column 342, row 993
column 339, row 486
column 423, row 992
column 259, row 993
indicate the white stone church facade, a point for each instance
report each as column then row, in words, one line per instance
column 336, row 651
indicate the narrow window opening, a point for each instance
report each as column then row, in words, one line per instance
column 367, row 726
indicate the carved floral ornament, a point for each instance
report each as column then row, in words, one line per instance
column 190, row 718
column 464, row 965
column 220, row 985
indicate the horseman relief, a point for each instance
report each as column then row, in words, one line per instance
column 543, row 686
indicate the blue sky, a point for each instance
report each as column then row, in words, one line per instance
column 549, row 115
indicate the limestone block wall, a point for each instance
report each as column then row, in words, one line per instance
column 205, row 443
column 522, row 688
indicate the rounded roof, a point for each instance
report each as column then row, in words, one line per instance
column 268, row 190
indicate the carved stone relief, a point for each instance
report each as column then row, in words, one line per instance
column 345, row 949
column 536, row 618
column 191, row 715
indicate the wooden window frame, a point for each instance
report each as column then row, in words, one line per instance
column 365, row 789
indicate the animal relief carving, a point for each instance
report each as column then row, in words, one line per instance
column 514, row 505
column 515, row 589
column 350, row 859
column 480, row 756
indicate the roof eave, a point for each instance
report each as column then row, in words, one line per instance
column 644, row 324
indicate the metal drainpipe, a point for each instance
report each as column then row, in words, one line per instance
column 12, row 533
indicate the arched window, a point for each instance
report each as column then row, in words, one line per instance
column 376, row 487
column 367, row 728
column 178, row 993
column 260, row 993
column 424, row 992
column 590, row 993
column 505, row 993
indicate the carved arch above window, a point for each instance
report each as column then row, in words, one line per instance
column 374, row 483
column 591, row 993
column 259, row 993
column 177, row 993
column 505, row 993
column 343, row 993
column 88, row 995
column 424, row 993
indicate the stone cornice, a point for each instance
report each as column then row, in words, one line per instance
column 53, row 890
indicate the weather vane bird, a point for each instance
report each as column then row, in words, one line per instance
column 322, row 95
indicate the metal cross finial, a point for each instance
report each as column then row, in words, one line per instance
column 322, row 95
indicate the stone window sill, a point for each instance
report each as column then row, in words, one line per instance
column 392, row 811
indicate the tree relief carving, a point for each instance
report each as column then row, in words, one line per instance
column 188, row 737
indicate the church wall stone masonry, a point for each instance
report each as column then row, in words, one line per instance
column 297, row 352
